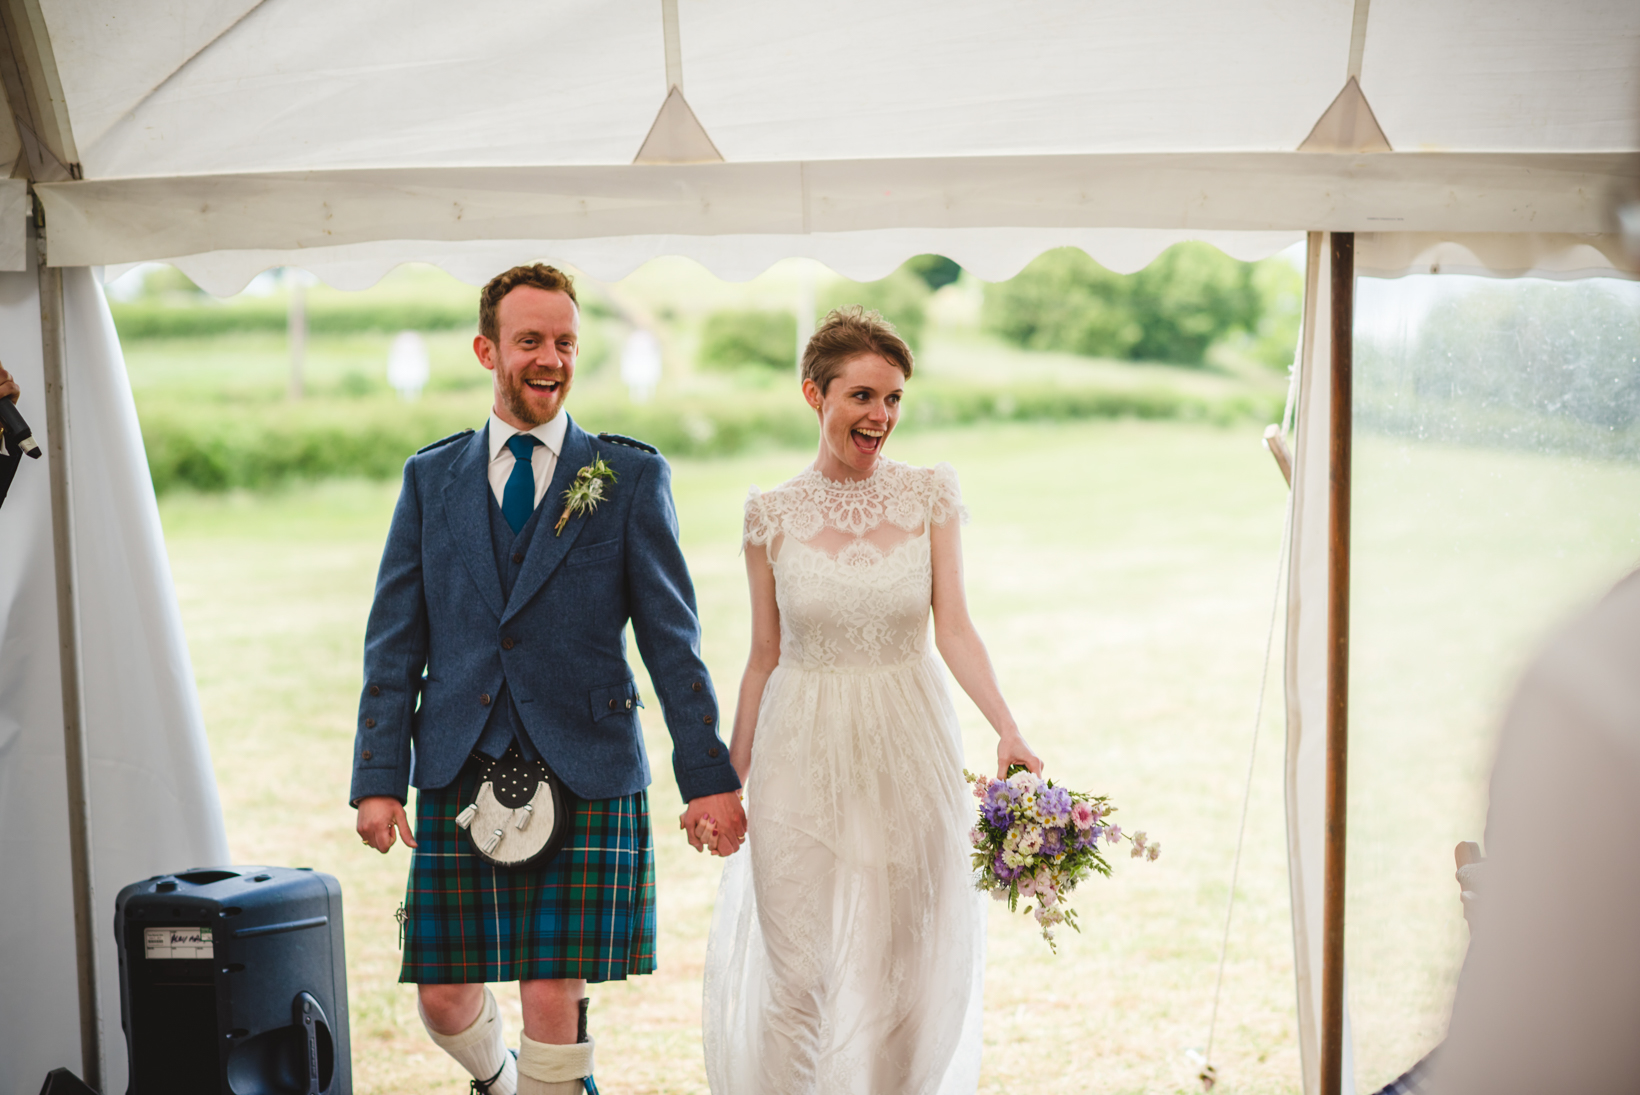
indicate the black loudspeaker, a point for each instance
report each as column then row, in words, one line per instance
column 60, row 1081
column 233, row 981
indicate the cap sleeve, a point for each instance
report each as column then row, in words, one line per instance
column 946, row 502
column 761, row 523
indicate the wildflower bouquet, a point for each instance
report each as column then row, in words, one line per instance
column 1036, row 840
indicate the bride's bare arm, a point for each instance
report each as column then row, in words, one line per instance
column 765, row 655
column 964, row 651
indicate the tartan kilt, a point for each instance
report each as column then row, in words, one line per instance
column 587, row 913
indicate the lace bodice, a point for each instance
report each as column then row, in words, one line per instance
column 852, row 562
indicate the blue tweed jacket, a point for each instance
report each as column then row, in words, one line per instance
column 440, row 640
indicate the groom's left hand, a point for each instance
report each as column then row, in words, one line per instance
column 725, row 812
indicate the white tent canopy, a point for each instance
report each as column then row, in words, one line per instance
column 228, row 136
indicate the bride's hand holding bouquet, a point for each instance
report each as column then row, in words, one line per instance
column 1035, row 840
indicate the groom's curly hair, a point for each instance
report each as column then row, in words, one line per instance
column 845, row 334
column 537, row 276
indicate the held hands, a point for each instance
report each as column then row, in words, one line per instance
column 715, row 823
column 8, row 386
column 379, row 815
column 1011, row 750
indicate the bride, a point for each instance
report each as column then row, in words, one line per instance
column 847, row 949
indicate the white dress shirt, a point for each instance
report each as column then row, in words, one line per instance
column 545, row 459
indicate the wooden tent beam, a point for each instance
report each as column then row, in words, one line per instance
column 1340, row 436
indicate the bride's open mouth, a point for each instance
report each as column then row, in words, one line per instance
column 867, row 440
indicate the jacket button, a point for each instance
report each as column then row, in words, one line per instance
column 484, row 699
column 614, row 705
column 375, row 690
column 518, row 556
column 365, row 755
column 709, row 719
column 507, row 643
column 695, row 687
column 629, row 705
column 712, row 752
column 369, row 723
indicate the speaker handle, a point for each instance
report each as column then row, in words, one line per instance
column 309, row 1016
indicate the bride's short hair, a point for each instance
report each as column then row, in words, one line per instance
column 845, row 334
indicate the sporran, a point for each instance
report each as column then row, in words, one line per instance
column 521, row 815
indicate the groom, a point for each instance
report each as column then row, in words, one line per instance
column 498, row 628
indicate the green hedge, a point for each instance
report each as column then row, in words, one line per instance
column 146, row 319
column 262, row 445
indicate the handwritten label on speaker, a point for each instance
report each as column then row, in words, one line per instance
column 177, row 943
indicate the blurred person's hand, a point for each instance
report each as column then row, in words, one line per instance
column 8, row 386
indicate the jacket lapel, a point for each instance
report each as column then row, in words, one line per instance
column 547, row 550
column 467, row 509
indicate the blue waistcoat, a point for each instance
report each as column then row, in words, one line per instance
column 511, row 549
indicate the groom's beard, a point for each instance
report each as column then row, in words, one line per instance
column 527, row 405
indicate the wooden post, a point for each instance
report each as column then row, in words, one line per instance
column 1338, row 658
column 75, row 751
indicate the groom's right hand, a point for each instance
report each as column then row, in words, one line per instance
column 379, row 815
column 722, row 811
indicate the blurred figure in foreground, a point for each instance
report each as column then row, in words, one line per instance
column 10, row 454
column 1549, row 999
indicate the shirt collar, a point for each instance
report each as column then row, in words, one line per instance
column 550, row 433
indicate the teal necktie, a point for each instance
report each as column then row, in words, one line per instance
column 518, row 496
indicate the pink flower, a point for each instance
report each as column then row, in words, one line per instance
column 1082, row 816
column 1027, row 885
column 981, row 781
column 973, row 836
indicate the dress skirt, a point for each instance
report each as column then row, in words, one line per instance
column 847, row 947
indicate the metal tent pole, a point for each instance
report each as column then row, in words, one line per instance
column 1342, row 267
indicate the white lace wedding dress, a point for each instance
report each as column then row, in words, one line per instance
column 847, row 947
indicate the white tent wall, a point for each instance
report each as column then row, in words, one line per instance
column 153, row 794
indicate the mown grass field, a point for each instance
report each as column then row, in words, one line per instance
column 1122, row 574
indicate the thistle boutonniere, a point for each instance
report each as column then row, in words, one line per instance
column 585, row 492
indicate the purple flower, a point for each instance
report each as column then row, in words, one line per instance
column 1003, row 871
column 998, row 805
column 1055, row 804
column 1053, row 842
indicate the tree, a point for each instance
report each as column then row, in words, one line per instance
column 1172, row 311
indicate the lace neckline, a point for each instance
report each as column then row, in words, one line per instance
column 813, row 476
column 894, row 493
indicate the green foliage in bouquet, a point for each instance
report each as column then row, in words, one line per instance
column 1035, row 841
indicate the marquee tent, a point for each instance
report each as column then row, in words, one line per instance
column 228, row 136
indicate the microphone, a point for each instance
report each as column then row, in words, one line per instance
column 16, row 430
